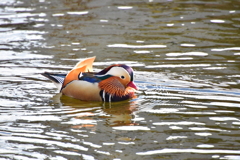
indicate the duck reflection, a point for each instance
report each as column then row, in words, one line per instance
column 121, row 113
column 84, row 114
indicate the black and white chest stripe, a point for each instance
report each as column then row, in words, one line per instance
column 106, row 97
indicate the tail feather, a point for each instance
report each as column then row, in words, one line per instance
column 57, row 79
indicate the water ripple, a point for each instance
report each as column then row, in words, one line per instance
column 131, row 128
column 205, row 151
column 186, row 60
column 43, row 141
column 188, row 54
column 136, row 46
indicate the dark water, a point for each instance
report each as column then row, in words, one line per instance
column 186, row 55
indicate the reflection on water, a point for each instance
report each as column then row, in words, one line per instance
column 186, row 58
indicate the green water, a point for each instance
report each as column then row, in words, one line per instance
column 186, row 57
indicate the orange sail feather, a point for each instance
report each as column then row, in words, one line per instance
column 82, row 66
column 87, row 62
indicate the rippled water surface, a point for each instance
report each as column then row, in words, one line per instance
column 186, row 55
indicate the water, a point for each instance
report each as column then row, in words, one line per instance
column 186, row 58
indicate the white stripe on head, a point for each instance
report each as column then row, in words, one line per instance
column 118, row 71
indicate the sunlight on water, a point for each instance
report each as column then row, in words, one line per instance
column 125, row 7
column 142, row 52
column 58, row 14
column 188, row 151
column 188, row 54
column 136, row 46
column 178, row 123
column 78, row 13
column 226, row 49
column 178, row 65
column 217, row 21
column 131, row 128
column 187, row 45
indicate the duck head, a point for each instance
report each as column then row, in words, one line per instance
column 117, row 80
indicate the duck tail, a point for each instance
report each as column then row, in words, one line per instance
column 57, row 79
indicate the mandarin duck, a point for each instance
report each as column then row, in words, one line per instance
column 114, row 83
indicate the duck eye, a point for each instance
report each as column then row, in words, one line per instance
column 122, row 77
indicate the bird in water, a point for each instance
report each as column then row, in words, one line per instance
column 114, row 83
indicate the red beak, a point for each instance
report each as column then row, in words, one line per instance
column 132, row 85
